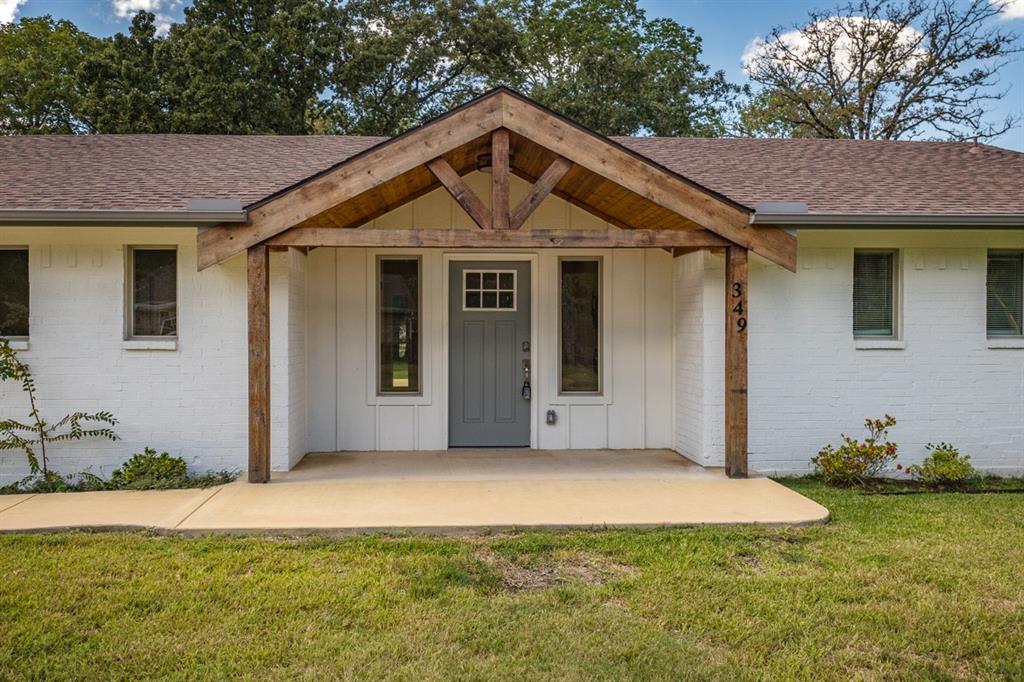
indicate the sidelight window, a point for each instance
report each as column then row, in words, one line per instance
column 398, row 326
column 580, row 325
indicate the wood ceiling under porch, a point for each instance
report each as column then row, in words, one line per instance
column 506, row 135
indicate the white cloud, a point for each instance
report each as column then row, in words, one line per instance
column 843, row 48
column 1012, row 9
column 128, row 8
column 8, row 8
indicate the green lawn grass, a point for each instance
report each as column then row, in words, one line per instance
column 896, row 587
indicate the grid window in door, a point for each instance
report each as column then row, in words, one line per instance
column 875, row 286
column 399, row 325
column 1005, row 293
column 489, row 290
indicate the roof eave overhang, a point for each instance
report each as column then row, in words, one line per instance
column 881, row 220
column 118, row 218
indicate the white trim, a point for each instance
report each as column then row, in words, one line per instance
column 866, row 343
column 17, row 343
column 447, row 259
column 150, row 344
column 1006, row 342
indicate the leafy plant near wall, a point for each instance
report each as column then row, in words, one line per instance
column 944, row 466
column 34, row 436
column 857, row 462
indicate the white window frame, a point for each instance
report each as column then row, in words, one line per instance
column 497, row 291
column 18, row 342
column 381, row 392
column 129, row 293
column 868, row 341
column 1004, row 340
column 600, row 326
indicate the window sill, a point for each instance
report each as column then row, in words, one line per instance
column 879, row 344
column 18, row 344
column 150, row 344
column 1006, row 343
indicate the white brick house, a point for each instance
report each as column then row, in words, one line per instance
column 883, row 277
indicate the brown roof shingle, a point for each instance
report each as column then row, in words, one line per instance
column 162, row 172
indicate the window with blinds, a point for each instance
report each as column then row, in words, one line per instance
column 874, row 293
column 1005, row 293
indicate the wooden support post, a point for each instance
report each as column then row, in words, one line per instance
column 258, row 275
column 499, row 180
column 736, row 317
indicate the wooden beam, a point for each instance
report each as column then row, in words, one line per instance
column 539, row 191
column 736, row 322
column 461, row 192
column 258, row 276
column 490, row 239
column 646, row 179
column 499, row 180
column 351, row 178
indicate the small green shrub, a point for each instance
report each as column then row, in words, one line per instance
column 857, row 462
column 944, row 466
column 149, row 470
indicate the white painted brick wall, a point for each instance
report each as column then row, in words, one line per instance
column 191, row 402
column 689, row 356
column 808, row 382
column 288, row 358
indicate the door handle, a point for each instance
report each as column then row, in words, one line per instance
column 526, row 391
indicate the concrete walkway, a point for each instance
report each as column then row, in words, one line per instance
column 438, row 492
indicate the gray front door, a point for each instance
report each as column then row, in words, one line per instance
column 489, row 348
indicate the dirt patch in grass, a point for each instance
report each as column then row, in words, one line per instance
column 545, row 572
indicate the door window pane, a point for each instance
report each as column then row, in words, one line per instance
column 14, row 292
column 580, row 326
column 154, row 292
column 874, row 299
column 489, row 290
column 399, row 304
column 1005, row 290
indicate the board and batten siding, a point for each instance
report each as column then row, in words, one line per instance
column 346, row 413
column 942, row 379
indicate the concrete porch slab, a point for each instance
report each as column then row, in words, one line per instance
column 453, row 491
column 428, row 505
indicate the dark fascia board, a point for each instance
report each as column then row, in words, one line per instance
column 121, row 218
column 923, row 220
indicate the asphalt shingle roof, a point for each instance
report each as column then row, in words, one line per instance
column 162, row 172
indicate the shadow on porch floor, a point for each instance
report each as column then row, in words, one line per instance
column 510, row 464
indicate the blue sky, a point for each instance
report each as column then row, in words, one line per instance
column 727, row 27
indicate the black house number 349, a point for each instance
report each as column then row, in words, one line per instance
column 738, row 309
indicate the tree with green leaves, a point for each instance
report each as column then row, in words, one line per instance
column 254, row 67
column 606, row 65
column 121, row 82
column 405, row 61
column 882, row 69
column 40, row 88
